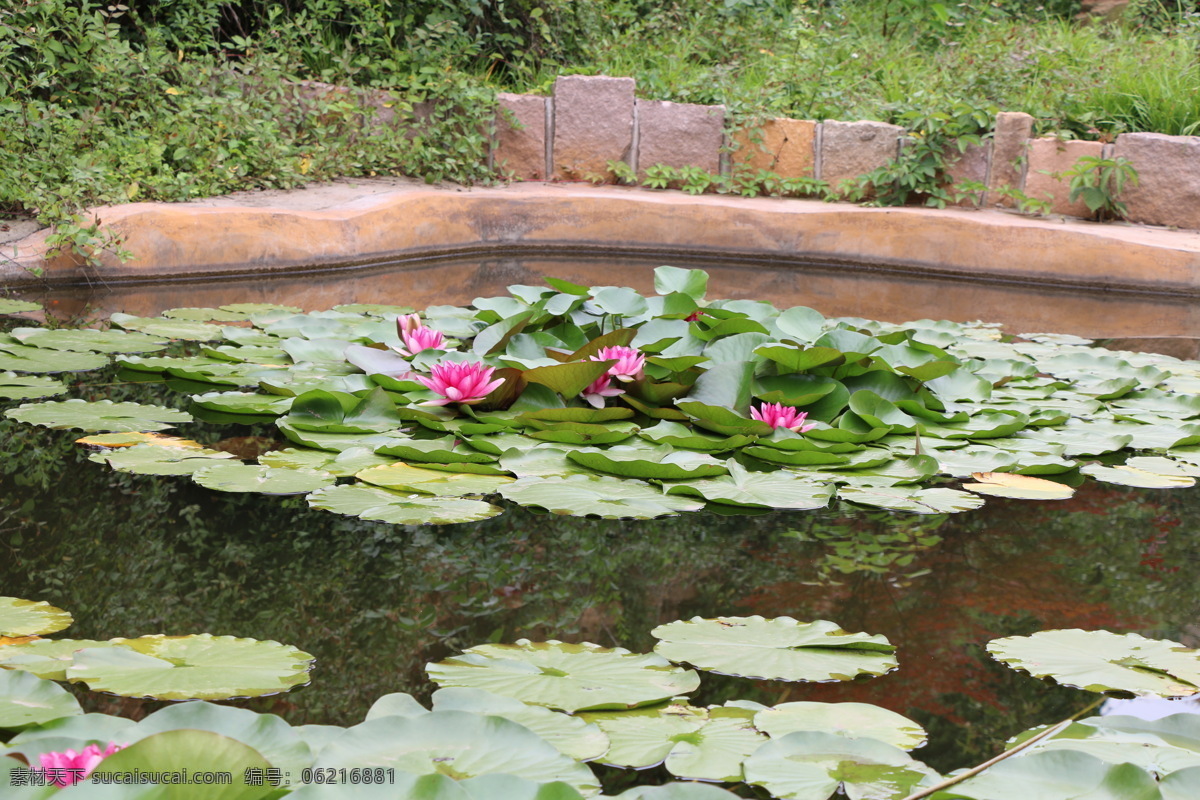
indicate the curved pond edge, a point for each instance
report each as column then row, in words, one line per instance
column 362, row 224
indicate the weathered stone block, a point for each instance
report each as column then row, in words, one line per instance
column 1013, row 131
column 969, row 165
column 593, row 124
column 679, row 135
column 850, row 149
column 520, row 152
column 785, row 146
column 1168, row 167
column 1048, row 158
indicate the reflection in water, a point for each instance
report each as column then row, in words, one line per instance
column 132, row 555
column 832, row 291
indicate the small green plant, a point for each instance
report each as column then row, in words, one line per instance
column 1098, row 182
column 660, row 176
column 1023, row 203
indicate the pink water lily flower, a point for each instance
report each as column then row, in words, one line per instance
column 599, row 389
column 778, row 415
column 67, row 769
column 465, row 383
column 630, row 362
column 417, row 336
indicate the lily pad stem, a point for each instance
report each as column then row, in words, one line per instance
column 962, row 776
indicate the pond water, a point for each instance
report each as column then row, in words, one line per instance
column 131, row 555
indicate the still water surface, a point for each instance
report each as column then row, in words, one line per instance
column 131, row 555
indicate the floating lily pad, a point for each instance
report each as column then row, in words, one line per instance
column 741, row 487
column 9, row 305
column 24, row 387
column 132, row 438
column 168, row 328
column 343, row 465
column 19, row 358
column 150, row 459
column 1054, row 775
column 456, row 744
column 1100, row 661
column 775, row 649
column 695, row 743
column 192, row 753
column 810, row 765
column 660, row 463
column 593, row 495
column 570, row 735
column 89, row 340
column 567, row 677
column 26, row 700
column 855, row 720
column 1125, row 475
column 912, row 500
column 45, row 658
column 243, row 403
column 403, row 477
column 382, row 505
column 200, row 667
column 1003, row 484
column 101, row 415
column 263, row 480
column 30, row 617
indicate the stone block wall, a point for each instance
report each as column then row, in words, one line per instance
column 590, row 121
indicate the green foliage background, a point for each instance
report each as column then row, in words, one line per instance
column 169, row 100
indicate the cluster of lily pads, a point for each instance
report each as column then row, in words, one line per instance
column 730, row 404
column 522, row 721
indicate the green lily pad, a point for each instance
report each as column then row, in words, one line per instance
column 343, row 465
column 694, row 743
column 25, row 387
column 88, row 340
column 168, row 328
column 775, row 649
column 457, row 744
column 369, row 502
column 446, row 450
column 31, row 617
column 570, row 735
column 1051, row 775
column 195, row 314
column 567, row 677
column 196, row 667
column 26, row 700
column 675, row 434
column 151, row 459
column 263, row 480
column 1100, row 661
column 10, row 305
column 192, row 753
column 403, row 477
column 741, row 487
column 854, row 720
column 594, row 495
column 101, row 415
column 19, row 358
column 659, row 463
column 243, row 403
column 45, row 658
column 912, row 500
column 811, row 765
column 1125, row 475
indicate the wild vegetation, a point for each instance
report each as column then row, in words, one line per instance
column 156, row 100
